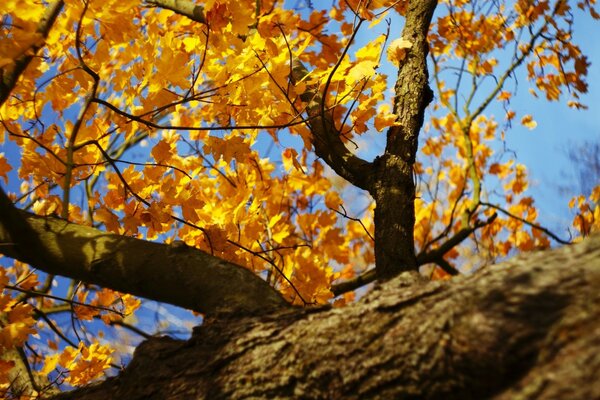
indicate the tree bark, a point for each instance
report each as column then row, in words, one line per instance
column 394, row 186
column 526, row 328
column 178, row 275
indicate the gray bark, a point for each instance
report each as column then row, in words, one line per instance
column 527, row 328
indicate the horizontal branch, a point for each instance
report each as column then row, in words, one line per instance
column 186, row 8
column 434, row 256
column 354, row 283
column 178, row 275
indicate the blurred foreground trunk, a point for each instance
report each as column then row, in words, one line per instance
column 527, row 328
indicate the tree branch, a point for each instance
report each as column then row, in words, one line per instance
column 182, row 276
column 515, row 330
column 326, row 138
column 10, row 78
column 183, row 7
column 438, row 253
column 352, row 284
column 435, row 256
column 531, row 224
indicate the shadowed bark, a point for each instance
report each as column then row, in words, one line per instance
column 527, row 328
column 152, row 270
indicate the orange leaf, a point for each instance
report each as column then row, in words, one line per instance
column 5, row 167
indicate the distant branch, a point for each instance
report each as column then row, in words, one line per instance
column 183, row 7
column 354, row 283
column 435, row 255
column 531, row 224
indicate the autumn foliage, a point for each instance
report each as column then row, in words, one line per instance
column 187, row 122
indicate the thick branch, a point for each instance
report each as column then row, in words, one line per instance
column 327, row 139
column 527, row 328
column 11, row 76
column 186, row 8
column 178, row 275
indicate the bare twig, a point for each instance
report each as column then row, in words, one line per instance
column 354, row 283
column 531, row 224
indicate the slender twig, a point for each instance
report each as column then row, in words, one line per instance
column 345, row 215
column 34, row 293
column 354, row 283
column 531, row 224
column 437, row 254
column 257, row 254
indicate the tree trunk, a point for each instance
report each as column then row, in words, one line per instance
column 527, row 328
column 394, row 186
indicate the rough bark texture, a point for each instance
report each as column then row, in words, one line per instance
column 394, row 187
column 527, row 328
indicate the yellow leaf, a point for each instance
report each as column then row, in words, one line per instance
column 364, row 69
column 396, row 52
column 289, row 158
column 384, row 117
column 190, row 43
column 49, row 364
column 333, row 200
column 130, row 303
column 20, row 326
column 274, row 220
column 377, row 20
column 89, row 364
column 233, row 147
column 528, row 122
column 110, row 220
column 280, row 236
column 504, row 95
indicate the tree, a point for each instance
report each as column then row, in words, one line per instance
column 208, row 219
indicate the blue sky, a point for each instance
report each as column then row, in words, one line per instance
column 543, row 149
